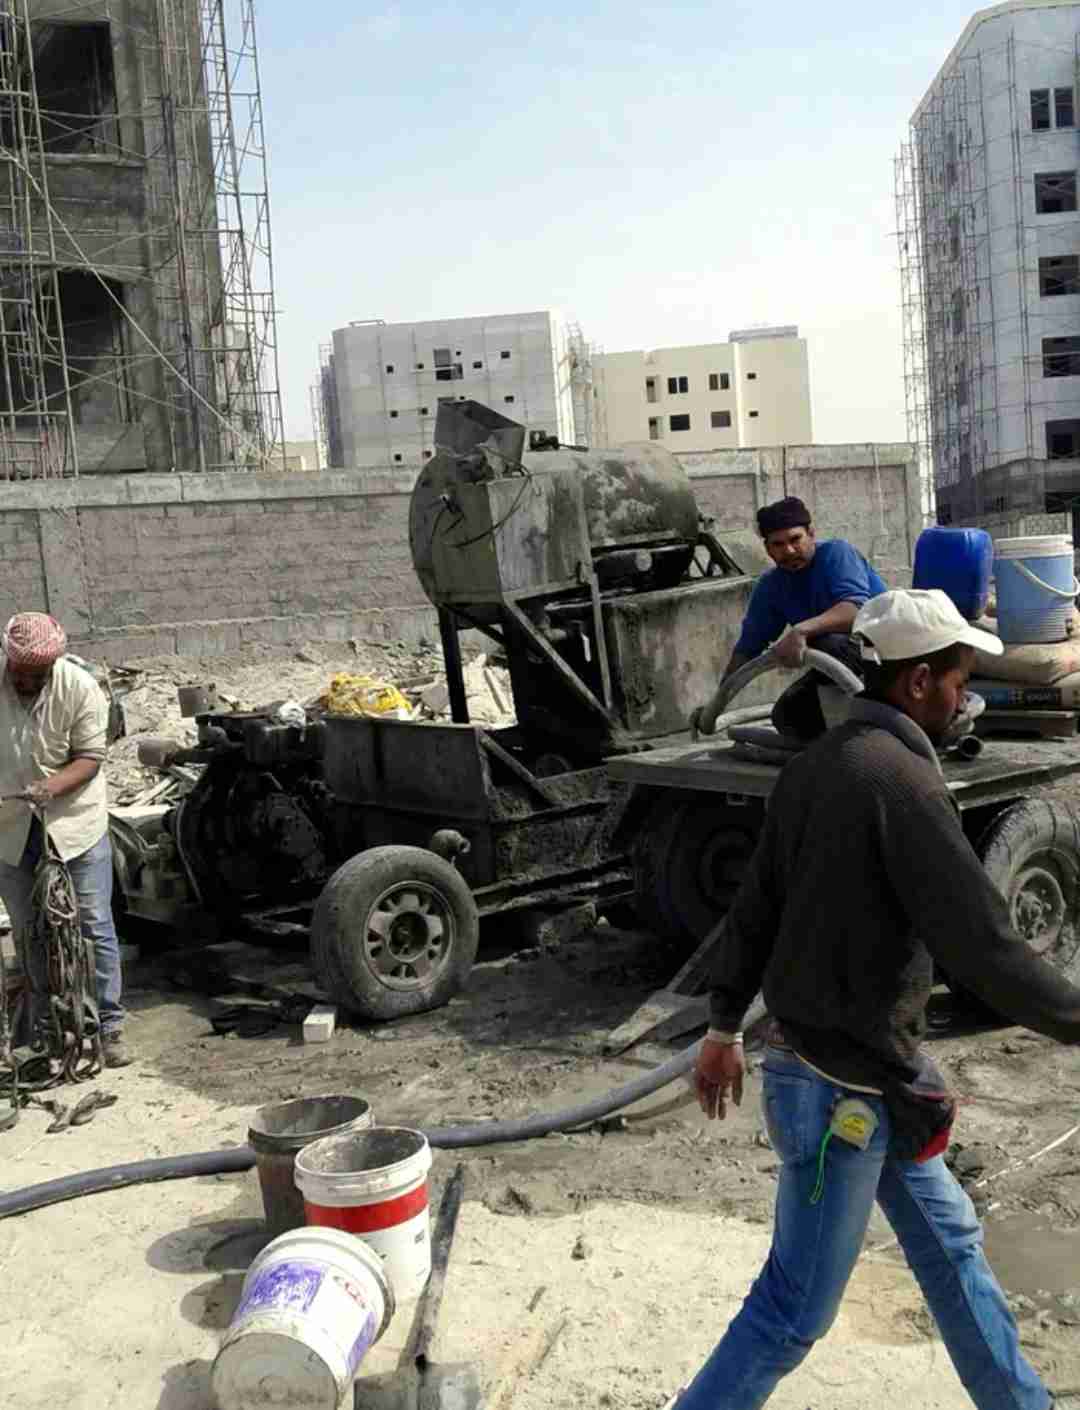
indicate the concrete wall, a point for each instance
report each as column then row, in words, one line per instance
column 767, row 395
column 203, row 564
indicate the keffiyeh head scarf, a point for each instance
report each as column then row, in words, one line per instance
column 32, row 641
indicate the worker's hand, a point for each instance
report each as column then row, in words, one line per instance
column 39, row 793
column 718, row 1073
column 790, row 649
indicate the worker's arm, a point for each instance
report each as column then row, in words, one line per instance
column 962, row 918
column 791, row 646
column 742, row 955
column 66, row 780
column 762, row 623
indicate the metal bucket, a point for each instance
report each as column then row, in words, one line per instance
column 276, row 1134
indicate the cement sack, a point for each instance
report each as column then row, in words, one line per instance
column 1063, row 694
column 1037, row 664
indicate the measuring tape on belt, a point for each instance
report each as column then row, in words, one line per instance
column 853, row 1121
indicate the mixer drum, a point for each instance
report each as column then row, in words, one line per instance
column 476, row 539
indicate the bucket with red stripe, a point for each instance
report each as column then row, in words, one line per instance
column 374, row 1184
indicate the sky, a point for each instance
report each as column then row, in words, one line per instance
column 660, row 174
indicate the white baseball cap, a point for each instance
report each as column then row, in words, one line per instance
column 910, row 622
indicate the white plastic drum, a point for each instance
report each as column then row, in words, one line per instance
column 313, row 1303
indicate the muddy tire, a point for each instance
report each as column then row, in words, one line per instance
column 394, row 932
column 689, row 860
column 1031, row 853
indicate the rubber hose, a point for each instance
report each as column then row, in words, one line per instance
column 705, row 717
column 238, row 1158
column 116, row 1177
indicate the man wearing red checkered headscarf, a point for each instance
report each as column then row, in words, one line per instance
column 53, row 735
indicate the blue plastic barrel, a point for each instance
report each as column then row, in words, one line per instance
column 1036, row 588
column 959, row 562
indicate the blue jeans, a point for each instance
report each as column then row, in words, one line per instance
column 815, row 1246
column 92, row 876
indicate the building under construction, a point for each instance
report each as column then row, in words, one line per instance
column 989, row 234
column 137, row 327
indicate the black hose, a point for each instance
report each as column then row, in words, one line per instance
column 115, row 1177
column 238, row 1158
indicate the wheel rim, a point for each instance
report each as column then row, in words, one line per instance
column 1038, row 907
column 408, row 935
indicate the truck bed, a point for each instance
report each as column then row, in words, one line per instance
column 1004, row 769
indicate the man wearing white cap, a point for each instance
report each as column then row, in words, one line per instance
column 862, row 879
column 53, row 734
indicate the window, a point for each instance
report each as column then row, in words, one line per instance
column 714, row 382
column 679, row 423
column 76, row 87
column 508, row 399
column 423, row 411
column 954, row 237
column 958, row 310
column 1055, row 192
column 675, row 385
column 650, row 389
column 389, row 367
column 477, row 366
column 751, row 376
column 504, row 354
column 1061, row 357
column 1063, row 108
column 751, row 414
column 1063, row 439
column 1059, row 274
column 393, row 415
column 654, row 428
column 397, row 458
column 419, row 367
column 444, row 400
column 720, row 420
column 440, row 357
column 450, row 374
column 1040, row 109
column 725, row 382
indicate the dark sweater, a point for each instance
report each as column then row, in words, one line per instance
column 862, row 878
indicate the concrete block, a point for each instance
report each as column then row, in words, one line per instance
column 549, row 929
column 320, row 1023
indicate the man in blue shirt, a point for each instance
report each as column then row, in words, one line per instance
column 811, row 597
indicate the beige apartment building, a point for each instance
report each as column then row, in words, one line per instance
column 753, row 390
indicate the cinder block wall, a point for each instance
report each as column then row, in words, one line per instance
column 204, row 564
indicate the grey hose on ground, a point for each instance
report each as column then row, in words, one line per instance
column 239, row 1158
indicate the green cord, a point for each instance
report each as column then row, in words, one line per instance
column 819, row 1188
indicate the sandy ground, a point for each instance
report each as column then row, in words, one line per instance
column 119, row 1300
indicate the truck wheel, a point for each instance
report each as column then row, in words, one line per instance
column 689, row 860
column 394, row 932
column 1031, row 853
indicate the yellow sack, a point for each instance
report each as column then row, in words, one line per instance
column 364, row 695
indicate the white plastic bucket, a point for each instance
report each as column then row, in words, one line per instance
column 374, row 1185
column 1036, row 588
column 312, row 1304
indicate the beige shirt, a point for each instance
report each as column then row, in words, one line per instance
column 68, row 720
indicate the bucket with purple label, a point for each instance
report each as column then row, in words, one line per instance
column 312, row 1305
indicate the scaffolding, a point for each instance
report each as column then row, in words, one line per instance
column 146, row 305
column 998, row 435
column 586, row 388
column 942, row 231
